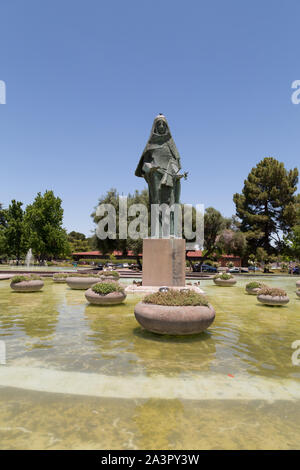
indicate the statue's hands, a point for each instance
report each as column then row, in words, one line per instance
column 154, row 168
column 184, row 175
column 148, row 168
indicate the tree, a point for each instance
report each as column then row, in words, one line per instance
column 214, row 223
column 232, row 242
column 79, row 242
column 43, row 224
column 292, row 241
column 3, row 225
column 136, row 246
column 266, row 206
column 15, row 230
column 112, row 197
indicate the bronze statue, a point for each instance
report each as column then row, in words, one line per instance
column 160, row 165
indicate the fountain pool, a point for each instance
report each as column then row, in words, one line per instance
column 81, row 376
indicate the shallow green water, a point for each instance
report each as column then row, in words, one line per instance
column 57, row 330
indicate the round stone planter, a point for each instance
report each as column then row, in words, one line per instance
column 225, row 282
column 298, row 284
column 109, row 278
column 298, row 292
column 174, row 320
column 59, row 279
column 27, row 286
column 270, row 300
column 82, row 283
column 113, row 298
column 254, row 291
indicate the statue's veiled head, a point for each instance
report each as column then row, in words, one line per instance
column 160, row 127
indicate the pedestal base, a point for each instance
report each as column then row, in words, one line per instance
column 164, row 262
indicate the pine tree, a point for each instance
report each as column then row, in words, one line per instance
column 266, row 206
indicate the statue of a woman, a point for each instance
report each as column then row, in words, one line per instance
column 160, row 165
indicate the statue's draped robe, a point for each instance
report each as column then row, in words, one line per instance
column 161, row 152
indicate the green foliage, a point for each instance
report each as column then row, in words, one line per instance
column 255, row 285
column 61, row 275
column 3, row 225
column 293, row 243
column 176, row 298
column 261, row 255
column 114, row 274
column 21, row 278
column 43, row 224
column 112, row 197
column 104, row 288
column 79, row 242
column 214, row 223
column 273, row 291
column 224, row 276
column 14, row 232
column 266, row 206
column 232, row 242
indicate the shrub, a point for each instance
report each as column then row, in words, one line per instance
column 114, row 274
column 176, row 298
column 273, row 291
column 21, row 278
column 61, row 275
column 223, row 277
column 255, row 285
column 104, row 288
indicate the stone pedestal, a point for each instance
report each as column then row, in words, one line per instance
column 164, row 262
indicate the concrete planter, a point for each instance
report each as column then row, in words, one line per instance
column 82, row 283
column 298, row 284
column 298, row 292
column 225, row 282
column 273, row 300
column 254, row 291
column 27, row 286
column 59, row 279
column 113, row 298
column 174, row 320
column 109, row 278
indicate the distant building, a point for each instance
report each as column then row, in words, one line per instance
column 191, row 255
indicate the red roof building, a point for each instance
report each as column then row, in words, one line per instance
column 191, row 255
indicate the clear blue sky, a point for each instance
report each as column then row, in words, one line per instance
column 86, row 78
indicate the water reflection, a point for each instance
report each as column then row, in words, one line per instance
column 116, row 335
column 58, row 328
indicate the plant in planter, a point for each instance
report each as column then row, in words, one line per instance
column 272, row 296
column 26, row 283
column 105, row 293
column 110, row 275
column 254, row 287
column 175, row 312
column 60, row 277
column 224, row 280
column 82, row 281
